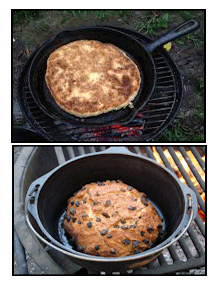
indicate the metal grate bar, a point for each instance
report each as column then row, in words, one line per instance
column 173, row 253
column 137, row 150
column 164, row 82
column 195, row 241
column 59, row 154
column 164, row 159
column 191, row 264
column 185, row 175
column 198, row 157
column 149, row 152
column 159, row 108
column 92, row 149
column 203, row 149
column 192, row 167
column 81, row 150
column 185, row 248
column 164, row 68
column 70, row 151
column 200, row 224
column 162, row 260
column 159, row 59
column 168, row 96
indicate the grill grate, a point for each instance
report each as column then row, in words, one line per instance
column 188, row 253
column 147, row 124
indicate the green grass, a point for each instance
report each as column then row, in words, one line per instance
column 155, row 20
column 191, row 39
column 178, row 134
column 35, row 26
column 150, row 22
column 190, row 14
column 24, row 17
column 180, row 131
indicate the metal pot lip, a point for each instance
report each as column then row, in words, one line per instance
column 111, row 151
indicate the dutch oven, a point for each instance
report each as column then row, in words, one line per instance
column 46, row 201
column 139, row 51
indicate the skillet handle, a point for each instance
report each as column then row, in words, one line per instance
column 175, row 33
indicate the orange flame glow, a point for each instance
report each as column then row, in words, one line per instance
column 187, row 169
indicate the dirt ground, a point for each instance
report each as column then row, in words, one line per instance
column 30, row 31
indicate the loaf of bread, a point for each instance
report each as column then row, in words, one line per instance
column 111, row 219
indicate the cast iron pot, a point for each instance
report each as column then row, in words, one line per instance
column 140, row 53
column 46, row 200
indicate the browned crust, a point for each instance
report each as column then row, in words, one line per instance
column 124, row 215
column 88, row 78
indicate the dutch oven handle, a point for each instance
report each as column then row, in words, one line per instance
column 31, row 208
column 32, row 194
column 191, row 197
column 180, row 30
column 190, row 209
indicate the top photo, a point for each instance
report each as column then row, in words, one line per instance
column 108, row 76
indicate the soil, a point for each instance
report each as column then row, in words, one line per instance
column 187, row 53
column 191, row 66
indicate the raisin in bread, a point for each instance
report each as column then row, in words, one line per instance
column 111, row 219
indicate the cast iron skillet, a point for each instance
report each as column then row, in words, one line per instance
column 47, row 197
column 139, row 52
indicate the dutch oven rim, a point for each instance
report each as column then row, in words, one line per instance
column 189, row 208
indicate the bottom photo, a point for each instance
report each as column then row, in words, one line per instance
column 109, row 210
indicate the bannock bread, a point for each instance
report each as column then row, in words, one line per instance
column 111, row 219
column 88, row 77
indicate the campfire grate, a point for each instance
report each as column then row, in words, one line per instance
column 184, row 257
column 146, row 125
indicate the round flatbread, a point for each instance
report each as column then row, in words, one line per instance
column 87, row 78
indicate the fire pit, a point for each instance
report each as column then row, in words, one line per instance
column 151, row 120
column 187, row 253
